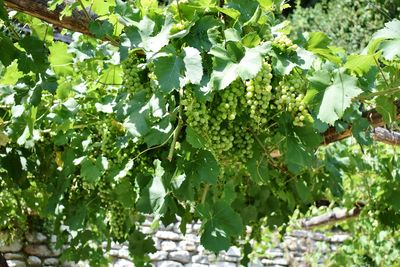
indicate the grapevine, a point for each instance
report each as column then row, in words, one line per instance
column 206, row 110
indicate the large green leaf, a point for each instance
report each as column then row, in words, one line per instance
column 169, row 69
column 222, row 223
column 226, row 70
column 387, row 40
column 60, row 59
column 203, row 167
column 144, row 35
column 193, row 65
column 337, row 97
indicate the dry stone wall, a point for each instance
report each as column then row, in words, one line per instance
column 177, row 250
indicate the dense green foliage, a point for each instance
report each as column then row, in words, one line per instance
column 181, row 113
column 367, row 173
column 348, row 23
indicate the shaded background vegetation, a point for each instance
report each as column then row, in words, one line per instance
column 349, row 23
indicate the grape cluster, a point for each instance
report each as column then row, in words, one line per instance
column 132, row 74
column 284, row 43
column 289, row 97
column 258, row 95
column 116, row 217
column 226, row 132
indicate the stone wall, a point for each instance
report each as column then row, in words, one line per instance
column 176, row 250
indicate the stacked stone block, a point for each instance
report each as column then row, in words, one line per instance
column 177, row 250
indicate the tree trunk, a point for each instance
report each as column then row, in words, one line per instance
column 3, row 262
column 78, row 22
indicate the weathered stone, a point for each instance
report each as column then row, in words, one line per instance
column 299, row 233
column 203, row 259
column 14, row 256
column 318, row 236
column 113, row 253
column 196, row 265
column 181, row 256
column 233, row 252
column 51, row 261
column 187, row 245
column 168, row 246
column 274, row 262
column 123, row 263
column 147, row 230
column 123, row 253
column 274, row 253
column 35, row 237
column 196, row 227
column 223, row 264
column 212, row 257
column 38, row 250
column 230, row 258
column 158, row 256
column 16, row 263
column 255, row 263
column 53, row 239
column 168, row 235
column 201, row 249
column 339, row 238
column 13, row 247
column 192, row 238
column 34, row 261
column 169, row 264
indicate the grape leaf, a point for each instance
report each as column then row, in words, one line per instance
column 226, row 70
column 168, row 70
column 152, row 198
column 90, row 171
column 193, row 65
column 361, row 64
column 222, row 222
column 297, row 156
column 101, row 29
column 386, row 107
column 142, row 34
column 387, row 40
column 196, row 140
column 60, row 59
column 337, row 97
column 318, row 44
column 12, row 51
column 203, row 167
column 198, row 37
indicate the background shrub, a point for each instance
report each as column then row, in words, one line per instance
column 349, row 23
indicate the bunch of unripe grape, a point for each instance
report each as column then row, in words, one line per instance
column 289, row 97
column 132, row 72
column 284, row 43
column 258, row 95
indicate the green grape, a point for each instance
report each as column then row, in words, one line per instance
column 284, row 43
column 258, row 95
column 132, row 74
column 116, row 216
column 289, row 97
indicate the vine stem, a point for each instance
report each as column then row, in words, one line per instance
column 84, row 10
column 204, row 195
column 179, row 10
column 178, row 128
column 381, row 71
column 380, row 93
